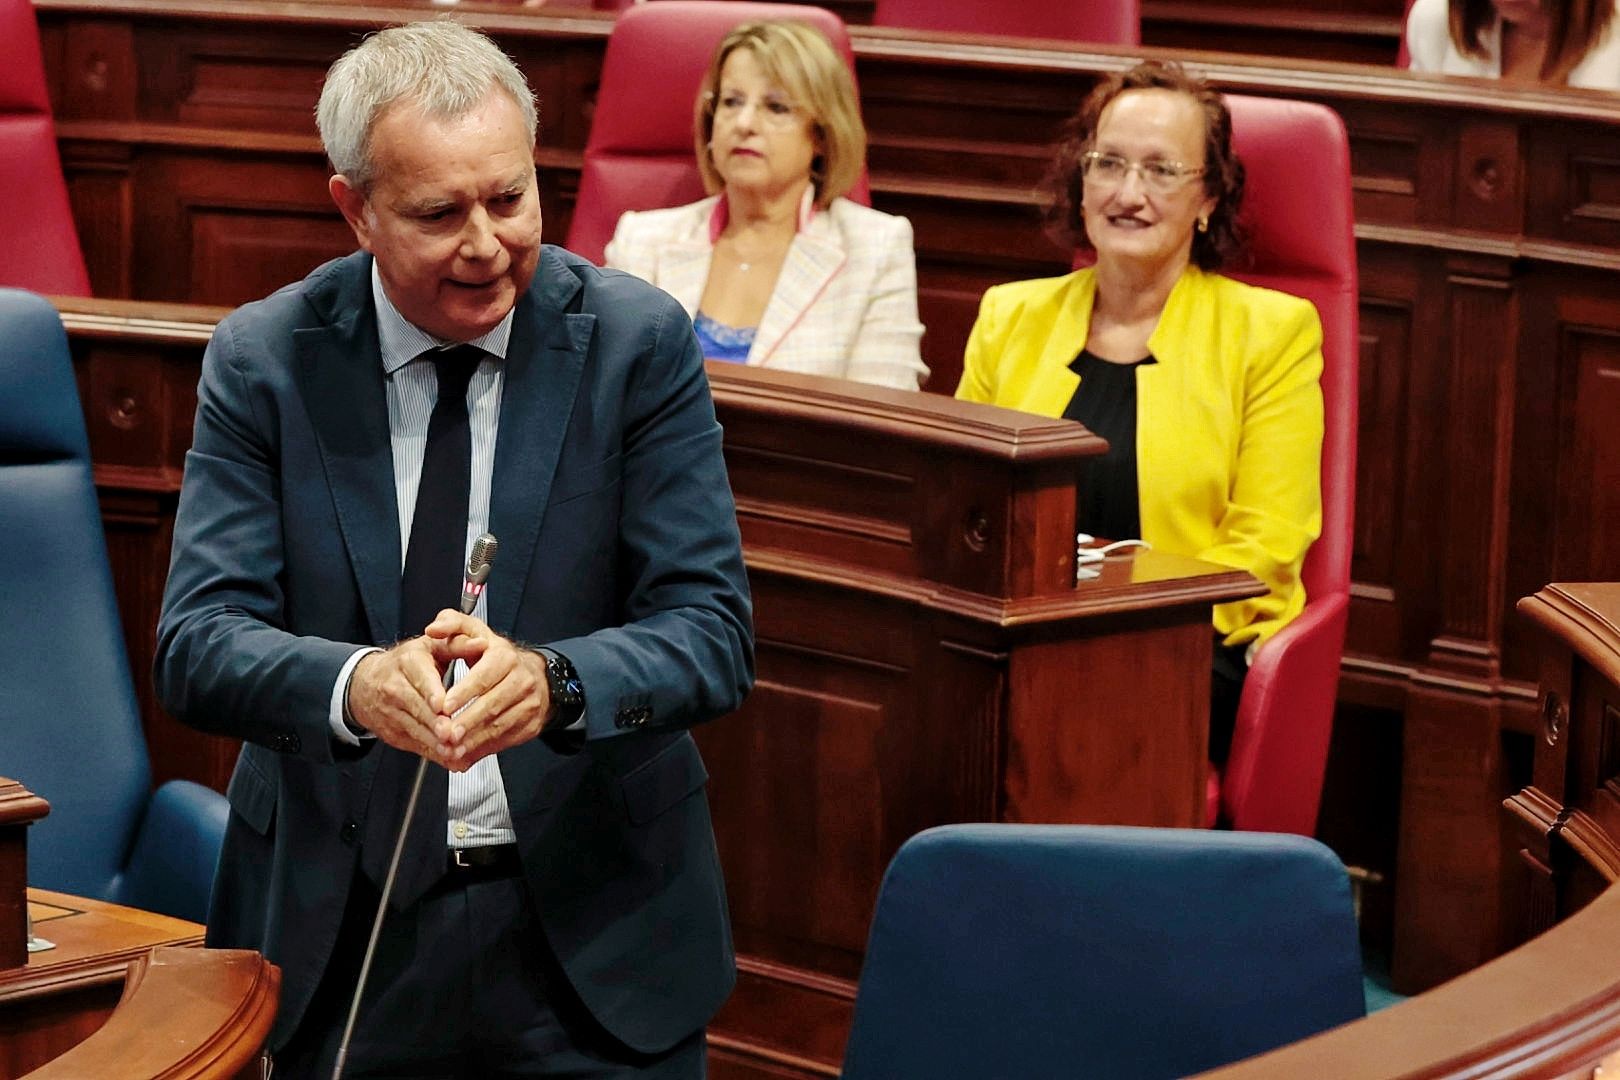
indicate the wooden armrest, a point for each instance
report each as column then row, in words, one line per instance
column 186, row 1014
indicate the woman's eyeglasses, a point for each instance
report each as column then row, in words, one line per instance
column 1110, row 170
column 769, row 111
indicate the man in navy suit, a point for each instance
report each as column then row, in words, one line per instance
column 574, row 922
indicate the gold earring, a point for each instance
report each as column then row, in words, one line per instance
column 1203, row 224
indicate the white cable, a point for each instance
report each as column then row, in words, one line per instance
column 1088, row 560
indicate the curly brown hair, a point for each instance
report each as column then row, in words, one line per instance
column 1223, row 171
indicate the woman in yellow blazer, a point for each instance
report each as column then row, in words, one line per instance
column 1206, row 388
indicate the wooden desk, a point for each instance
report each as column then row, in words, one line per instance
column 924, row 657
column 64, row 994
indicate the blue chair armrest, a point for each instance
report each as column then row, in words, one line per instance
column 171, row 866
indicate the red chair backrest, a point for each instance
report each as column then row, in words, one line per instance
column 1103, row 22
column 39, row 247
column 639, row 154
column 1403, row 56
column 1302, row 240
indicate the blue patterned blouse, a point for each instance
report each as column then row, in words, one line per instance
column 722, row 342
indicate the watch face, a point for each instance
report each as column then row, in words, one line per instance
column 566, row 685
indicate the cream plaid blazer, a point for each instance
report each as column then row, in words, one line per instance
column 844, row 305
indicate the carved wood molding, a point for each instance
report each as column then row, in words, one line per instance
column 18, row 805
column 1584, row 616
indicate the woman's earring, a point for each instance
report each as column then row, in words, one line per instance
column 1203, row 224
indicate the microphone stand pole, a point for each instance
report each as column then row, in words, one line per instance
column 478, row 567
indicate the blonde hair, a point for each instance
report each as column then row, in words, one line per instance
column 798, row 58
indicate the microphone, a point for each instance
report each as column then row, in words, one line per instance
column 479, row 564
column 478, row 567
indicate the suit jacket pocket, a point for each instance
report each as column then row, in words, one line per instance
column 586, row 479
column 660, row 782
column 252, row 795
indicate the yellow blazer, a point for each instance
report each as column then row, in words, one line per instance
column 1229, row 420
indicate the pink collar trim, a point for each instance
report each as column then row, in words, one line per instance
column 722, row 213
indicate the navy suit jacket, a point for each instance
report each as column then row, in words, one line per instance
column 618, row 547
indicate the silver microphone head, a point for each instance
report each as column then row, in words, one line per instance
column 483, row 556
column 478, row 565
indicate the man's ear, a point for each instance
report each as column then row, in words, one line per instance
column 351, row 203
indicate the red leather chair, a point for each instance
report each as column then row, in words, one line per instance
column 1103, row 22
column 639, row 154
column 1403, row 56
column 1302, row 239
column 39, row 247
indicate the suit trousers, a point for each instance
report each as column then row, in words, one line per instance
column 463, row 985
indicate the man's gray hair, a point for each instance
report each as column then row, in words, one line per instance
column 439, row 65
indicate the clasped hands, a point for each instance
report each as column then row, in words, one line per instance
column 503, row 700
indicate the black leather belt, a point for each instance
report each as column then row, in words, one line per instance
column 483, row 863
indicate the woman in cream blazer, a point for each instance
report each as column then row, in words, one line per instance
column 776, row 267
column 845, row 303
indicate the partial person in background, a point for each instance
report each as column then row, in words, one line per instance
column 776, row 267
column 1528, row 42
column 1206, row 389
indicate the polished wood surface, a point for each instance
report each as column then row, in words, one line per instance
column 1551, row 1008
column 62, row 995
column 19, row 808
column 1488, row 220
column 186, row 1014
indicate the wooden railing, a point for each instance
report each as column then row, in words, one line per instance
column 1551, row 1008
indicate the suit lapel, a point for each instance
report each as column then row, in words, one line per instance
column 340, row 376
column 812, row 260
column 545, row 361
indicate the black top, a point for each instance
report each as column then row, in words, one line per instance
column 1105, row 501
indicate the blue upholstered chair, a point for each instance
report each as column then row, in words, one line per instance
column 69, row 727
column 1033, row 951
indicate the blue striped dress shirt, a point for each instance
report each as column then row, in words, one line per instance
column 477, row 814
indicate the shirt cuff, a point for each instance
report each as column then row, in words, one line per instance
column 340, row 692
